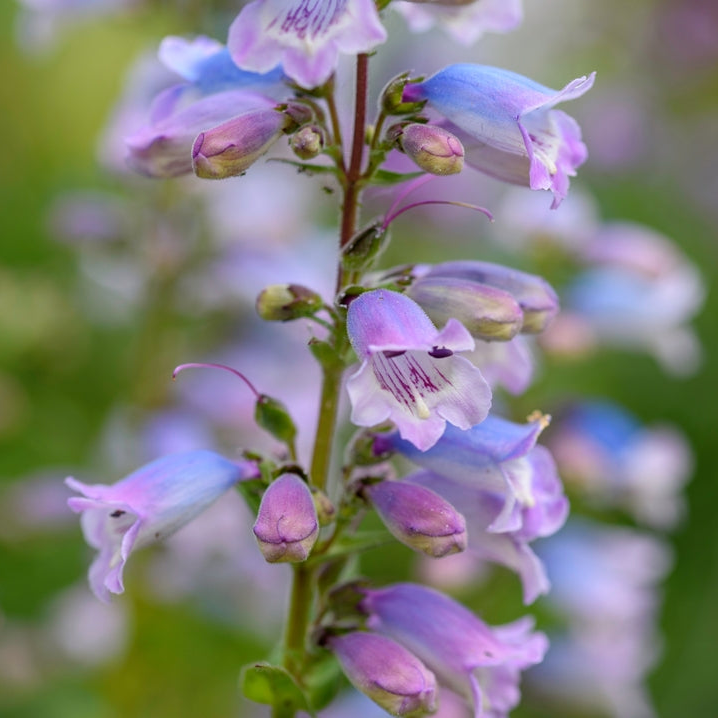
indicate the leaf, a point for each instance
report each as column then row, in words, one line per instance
column 252, row 490
column 385, row 177
column 274, row 686
column 306, row 168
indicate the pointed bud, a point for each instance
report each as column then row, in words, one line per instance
column 286, row 526
column 433, row 149
column 272, row 416
column 418, row 517
column 487, row 312
column 284, row 302
column 364, row 247
column 392, row 101
column 308, row 142
column 232, row 147
column 388, row 673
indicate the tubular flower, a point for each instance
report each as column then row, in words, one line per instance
column 305, row 36
column 146, row 506
column 409, row 372
column 507, row 124
column 477, row 661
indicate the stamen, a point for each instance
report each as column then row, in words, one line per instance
column 210, row 365
column 440, row 353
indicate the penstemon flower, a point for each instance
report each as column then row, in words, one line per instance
column 409, row 372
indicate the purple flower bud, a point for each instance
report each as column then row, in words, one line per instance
column 479, row 662
column 535, row 296
column 308, row 142
column 232, row 147
column 148, row 505
column 432, row 148
column 418, row 517
column 287, row 525
column 508, row 125
column 386, row 672
column 409, row 372
column 487, row 312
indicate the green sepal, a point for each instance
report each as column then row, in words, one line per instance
column 325, row 354
column 274, row 686
column 364, row 248
column 252, row 491
column 385, row 178
column 272, row 416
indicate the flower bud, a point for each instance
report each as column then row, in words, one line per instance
column 308, row 142
column 433, row 148
column 487, row 312
column 286, row 526
column 388, row 673
column 284, row 302
column 231, row 148
column 418, row 517
column 392, row 101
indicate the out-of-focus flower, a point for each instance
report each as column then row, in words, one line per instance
column 409, row 372
column 305, row 38
column 481, row 663
column 231, row 148
column 614, row 460
column 287, row 525
column 536, row 299
column 508, row 125
column 215, row 90
column 146, row 506
column 465, row 20
column 507, row 364
column 432, row 148
column 418, row 517
column 386, row 672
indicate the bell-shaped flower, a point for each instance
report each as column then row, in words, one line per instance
column 535, row 297
column 479, row 662
column 508, row 125
column 146, row 506
column 305, row 38
column 385, row 671
column 231, row 148
column 418, row 517
column 214, row 90
column 287, row 525
column 432, row 148
column 466, row 21
column 409, row 372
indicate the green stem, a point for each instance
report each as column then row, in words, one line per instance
column 300, row 607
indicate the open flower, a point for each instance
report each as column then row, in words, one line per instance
column 409, row 373
column 147, row 506
column 305, row 37
column 507, row 123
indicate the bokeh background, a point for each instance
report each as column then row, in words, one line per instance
column 92, row 325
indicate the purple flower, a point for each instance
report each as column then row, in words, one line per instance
column 508, row 125
column 418, row 517
column 214, row 91
column 146, row 506
column 287, row 525
column 386, row 672
column 464, row 21
column 409, row 373
column 305, row 36
column 479, row 662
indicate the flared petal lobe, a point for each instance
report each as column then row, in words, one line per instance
column 409, row 373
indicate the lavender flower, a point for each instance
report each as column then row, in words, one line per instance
column 479, row 662
column 508, row 125
column 286, row 526
column 386, row 672
column 409, row 372
column 146, row 506
column 305, row 37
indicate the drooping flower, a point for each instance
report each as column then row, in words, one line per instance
column 481, row 663
column 508, row 125
column 386, row 672
column 287, row 525
column 147, row 506
column 213, row 91
column 305, row 37
column 409, row 373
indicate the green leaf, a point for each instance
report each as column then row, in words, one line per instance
column 274, row 686
column 306, row 167
column 252, row 491
column 385, row 177
column 274, row 418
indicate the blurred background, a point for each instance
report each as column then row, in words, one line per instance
column 108, row 281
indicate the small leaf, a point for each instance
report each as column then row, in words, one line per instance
column 306, row 167
column 272, row 416
column 274, row 686
column 385, row 177
column 252, row 491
